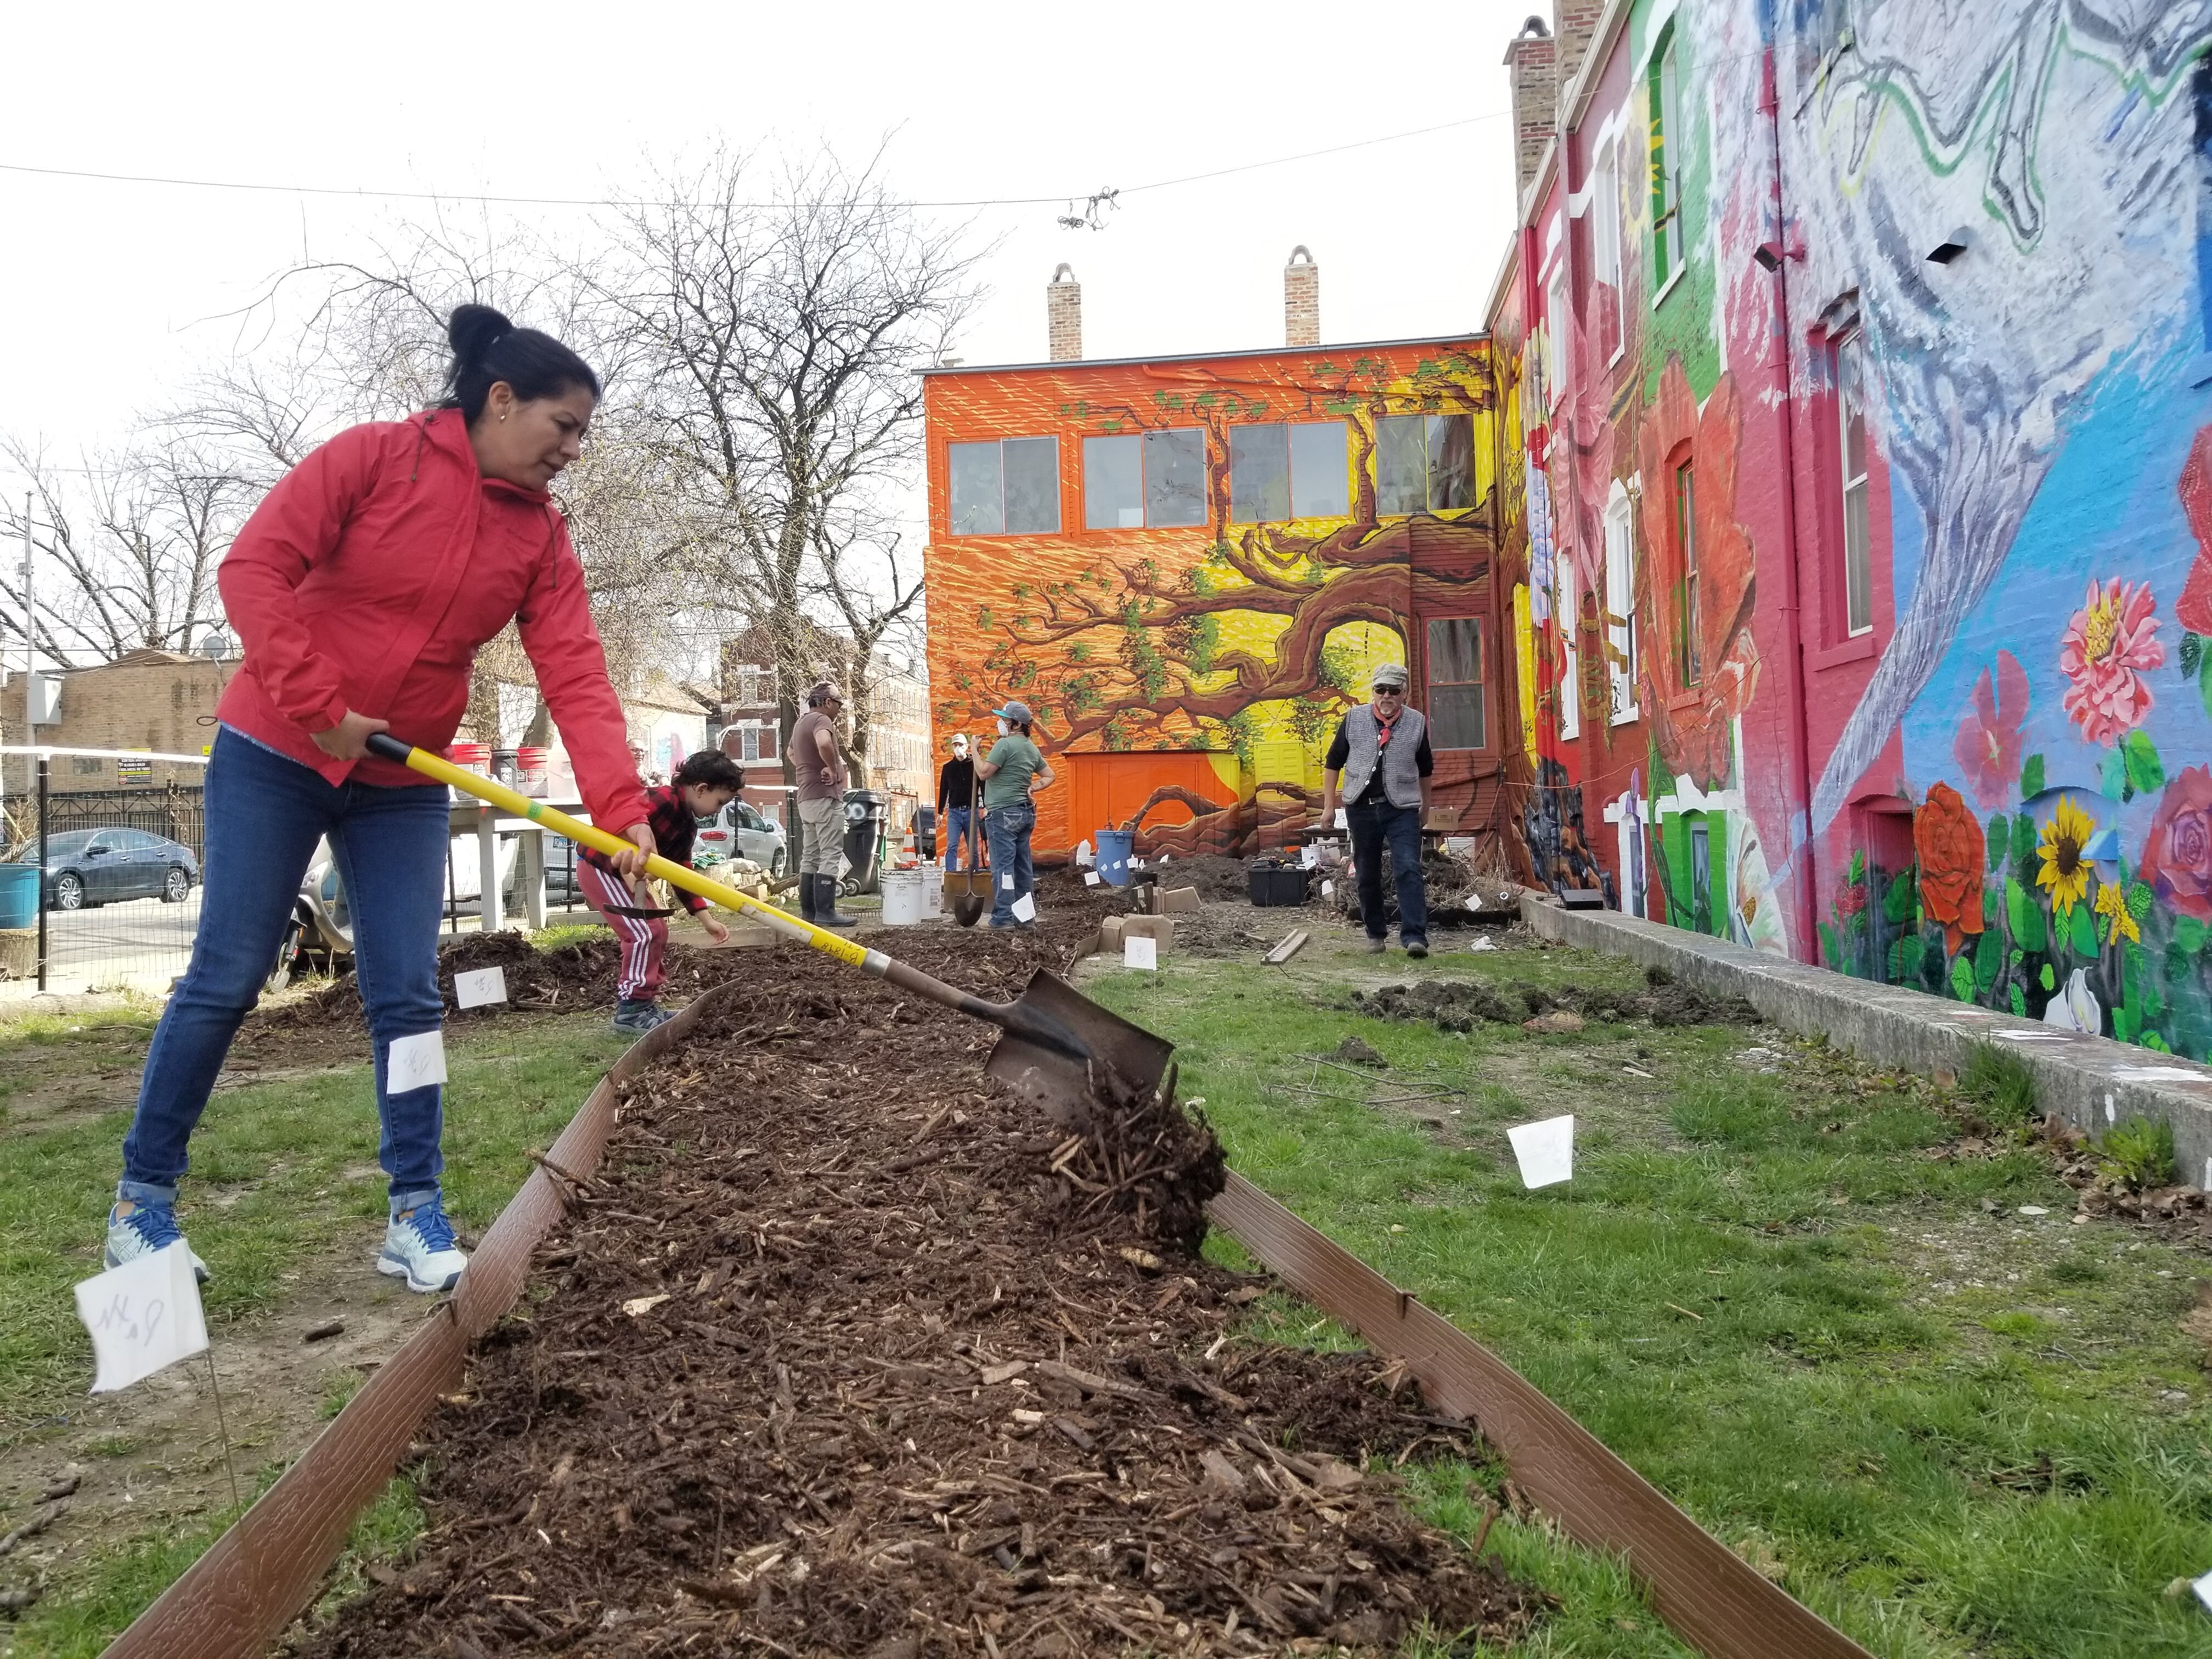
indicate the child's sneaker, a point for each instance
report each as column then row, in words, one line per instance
column 419, row 1248
column 136, row 1229
column 637, row 1017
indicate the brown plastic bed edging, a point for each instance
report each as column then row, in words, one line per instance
column 256, row 1578
column 1711, row 1599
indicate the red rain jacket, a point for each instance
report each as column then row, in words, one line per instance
column 369, row 577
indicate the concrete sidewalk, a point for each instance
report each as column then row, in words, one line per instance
column 2091, row 1081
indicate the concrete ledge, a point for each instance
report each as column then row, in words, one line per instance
column 2091, row 1081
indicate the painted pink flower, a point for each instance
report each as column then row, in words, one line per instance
column 1988, row 745
column 2110, row 641
column 2177, row 856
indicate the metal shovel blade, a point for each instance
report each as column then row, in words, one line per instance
column 1052, row 1027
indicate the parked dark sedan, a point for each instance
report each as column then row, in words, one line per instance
column 85, row 868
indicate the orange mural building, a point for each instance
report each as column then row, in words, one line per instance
column 1188, row 567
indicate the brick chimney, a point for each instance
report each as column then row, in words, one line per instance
column 1535, row 72
column 1063, row 311
column 1301, row 298
column 1573, row 22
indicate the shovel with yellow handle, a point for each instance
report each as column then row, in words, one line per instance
column 1051, row 1033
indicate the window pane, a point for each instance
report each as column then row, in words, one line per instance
column 1851, row 378
column 1259, row 474
column 978, row 507
column 1858, row 570
column 1686, row 527
column 1566, row 613
column 1455, row 717
column 1401, row 464
column 1175, row 477
column 1451, row 462
column 1454, row 650
column 1320, row 480
column 1113, row 483
column 1032, row 485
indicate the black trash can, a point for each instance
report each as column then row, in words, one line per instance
column 866, row 810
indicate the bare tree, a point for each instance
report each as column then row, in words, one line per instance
column 772, row 346
column 125, row 546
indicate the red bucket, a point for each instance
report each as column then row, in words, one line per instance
column 531, row 765
column 476, row 756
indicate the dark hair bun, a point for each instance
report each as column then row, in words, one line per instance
column 472, row 329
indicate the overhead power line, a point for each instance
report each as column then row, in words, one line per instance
column 362, row 193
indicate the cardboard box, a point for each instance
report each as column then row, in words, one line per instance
column 1179, row 901
column 1109, row 935
column 1161, row 928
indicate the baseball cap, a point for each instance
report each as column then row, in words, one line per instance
column 1016, row 711
column 1390, row 673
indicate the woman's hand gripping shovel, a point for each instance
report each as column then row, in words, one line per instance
column 1053, row 1035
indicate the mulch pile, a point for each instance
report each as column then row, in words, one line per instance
column 1458, row 1005
column 848, row 1352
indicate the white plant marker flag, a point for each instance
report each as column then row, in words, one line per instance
column 1090, row 877
column 143, row 1316
column 1007, row 883
column 415, row 1062
column 1546, row 1150
column 1140, row 951
column 482, row 986
column 1023, row 909
column 2204, row 1588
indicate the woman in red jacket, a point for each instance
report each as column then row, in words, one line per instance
column 361, row 587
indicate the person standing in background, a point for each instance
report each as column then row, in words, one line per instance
column 818, row 764
column 1382, row 752
column 1014, row 771
column 955, row 794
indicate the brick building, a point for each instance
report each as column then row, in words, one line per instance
column 151, row 699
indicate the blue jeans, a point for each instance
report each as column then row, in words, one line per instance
column 264, row 815
column 956, row 837
column 1007, row 829
column 1375, row 825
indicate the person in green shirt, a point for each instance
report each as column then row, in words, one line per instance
column 1012, row 773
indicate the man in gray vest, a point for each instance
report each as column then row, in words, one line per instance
column 1382, row 757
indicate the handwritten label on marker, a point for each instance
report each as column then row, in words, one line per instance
column 1343, row 820
column 1006, row 883
column 143, row 1316
column 1140, row 951
column 484, row 985
column 1329, row 890
column 1090, row 877
column 1546, row 1151
column 1023, row 909
column 415, row 1062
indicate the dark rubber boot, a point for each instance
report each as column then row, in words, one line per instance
column 826, row 905
column 806, row 898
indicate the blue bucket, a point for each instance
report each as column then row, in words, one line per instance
column 1114, row 847
column 19, row 895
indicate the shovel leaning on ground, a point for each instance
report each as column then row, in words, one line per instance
column 1053, row 1034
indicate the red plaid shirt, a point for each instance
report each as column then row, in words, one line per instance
column 673, row 827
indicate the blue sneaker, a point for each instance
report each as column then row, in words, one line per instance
column 136, row 1229
column 636, row 1017
column 419, row 1248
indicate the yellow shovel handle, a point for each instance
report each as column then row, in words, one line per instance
column 586, row 834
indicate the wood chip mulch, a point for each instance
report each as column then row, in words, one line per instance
column 848, row 1352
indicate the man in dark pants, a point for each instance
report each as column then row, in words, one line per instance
column 1380, row 764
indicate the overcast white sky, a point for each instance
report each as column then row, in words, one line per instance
column 106, row 287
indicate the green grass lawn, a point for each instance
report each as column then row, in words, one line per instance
column 1949, row 1428
column 280, row 1168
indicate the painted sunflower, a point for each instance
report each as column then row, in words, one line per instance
column 2112, row 901
column 2065, row 871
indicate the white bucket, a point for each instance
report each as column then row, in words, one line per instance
column 932, row 889
column 903, row 897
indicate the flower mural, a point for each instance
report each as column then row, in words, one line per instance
column 2193, row 610
column 2176, row 857
column 1695, row 686
column 1988, row 745
column 2112, row 905
column 2074, row 1008
column 2065, row 872
column 2110, row 642
column 1949, row 841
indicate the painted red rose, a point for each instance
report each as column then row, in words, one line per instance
column 1950, row 843
column 2177, row 858
column 2194, row 608
column 1988, row 744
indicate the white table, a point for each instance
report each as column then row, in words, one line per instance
column 488, row 824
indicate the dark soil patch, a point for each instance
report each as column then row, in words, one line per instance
column 849, row 1352
column 1457, row 1005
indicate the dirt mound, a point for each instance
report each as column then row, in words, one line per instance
column 577, row 973
column 849, row 1352
column 1457, row 1005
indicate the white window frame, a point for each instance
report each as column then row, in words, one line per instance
column 1620, row 606
column 1605, row 239
column 1558, row 314
column 1566, row 614
column 1859, row 558
column 1666, row 220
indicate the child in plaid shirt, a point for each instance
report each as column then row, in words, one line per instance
column 703, row 785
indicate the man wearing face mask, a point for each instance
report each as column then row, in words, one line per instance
column 1382, row 754
column 1012, row 773
column 956, row 793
